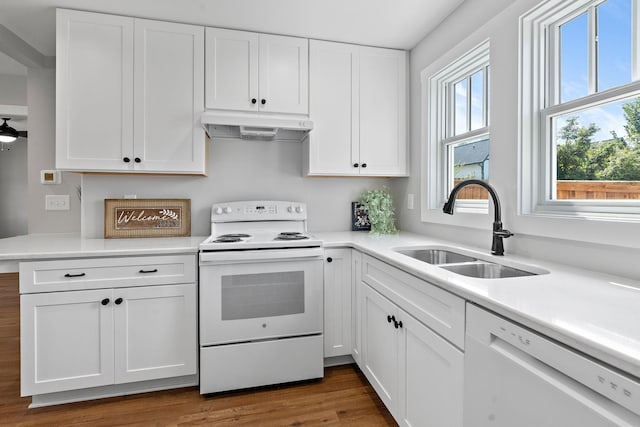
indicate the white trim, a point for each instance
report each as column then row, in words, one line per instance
column 538, row 103
column 438, row 126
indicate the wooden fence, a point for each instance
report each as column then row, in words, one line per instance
column 471, row 191
column 572, row 190
column 598, row 190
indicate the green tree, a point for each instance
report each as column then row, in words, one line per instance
column 573, row 155
column 631, row 112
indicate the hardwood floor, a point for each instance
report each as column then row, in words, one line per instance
column 343, row 397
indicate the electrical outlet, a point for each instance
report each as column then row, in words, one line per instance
column 57, row 202
column 409, row 201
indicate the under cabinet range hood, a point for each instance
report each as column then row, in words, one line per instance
column 266, row 128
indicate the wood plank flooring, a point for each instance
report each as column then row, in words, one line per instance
column 343, row 397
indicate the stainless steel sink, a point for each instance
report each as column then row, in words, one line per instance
column 486, row 270
column 436, row 256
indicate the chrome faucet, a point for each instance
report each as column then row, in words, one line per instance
column 499, row 233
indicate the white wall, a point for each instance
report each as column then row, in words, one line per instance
column 13, row 190
column 13, row 165
column 13, row 89
column 41, row 149
column 598, row 245
column 238, row 170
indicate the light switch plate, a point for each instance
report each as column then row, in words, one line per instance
column 410, row 201
column 57, row 202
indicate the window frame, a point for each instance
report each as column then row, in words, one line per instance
column 439, row 130
column 539, row 94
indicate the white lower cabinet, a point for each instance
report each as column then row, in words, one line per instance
column 356, row 290
column 96, row 327
column 66, row 341
column 337, row 302
column 155, row 332
column 80, row 339
column 417, row 374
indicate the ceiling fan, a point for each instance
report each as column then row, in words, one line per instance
column 8, row 135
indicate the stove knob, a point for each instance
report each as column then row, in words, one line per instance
column 299, row 209
column 290, row 209
column 227, row 210
column 217, row 211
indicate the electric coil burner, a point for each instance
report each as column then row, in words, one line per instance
column 261, row 297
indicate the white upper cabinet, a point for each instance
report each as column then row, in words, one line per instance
column 383, row 111
column 256, row 72
column 333, row 143
column 129, row 94
column 94, row 91
column 358, row 102
column 169, row 97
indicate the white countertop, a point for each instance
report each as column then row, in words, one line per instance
column 595, row 313
column 54, row 246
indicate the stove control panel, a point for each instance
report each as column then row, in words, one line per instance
column 258, row 211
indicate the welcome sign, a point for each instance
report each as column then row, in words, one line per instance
column 130, row 218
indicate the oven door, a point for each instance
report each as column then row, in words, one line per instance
column 262, row 294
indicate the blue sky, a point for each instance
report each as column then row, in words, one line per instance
column 614, row 63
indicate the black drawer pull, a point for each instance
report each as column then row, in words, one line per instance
column 75, row 275
column 155, row 270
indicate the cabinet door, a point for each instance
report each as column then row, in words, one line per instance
column 66, row 341
column 380, row 346
column 356, row 301
column 231, row 69
column 94, row 91
column 431, row 377
column 383, row 116
column 333, row 95
column 284, row 74
column 155, row 332
column 169, row 97
column 337, row 302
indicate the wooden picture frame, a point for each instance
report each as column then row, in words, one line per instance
column 132, row 218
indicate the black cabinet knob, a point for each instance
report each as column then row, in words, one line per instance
column 105, row 301
column 253, row 100
column 329, row 259
column 118, row 301
column 364, row 165
column 126, row 159
column 355, row 165
column 390, row 318
column 137, row 160
column 400, row 324
column 263, row 101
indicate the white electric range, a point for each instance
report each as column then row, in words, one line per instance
column 261, row 297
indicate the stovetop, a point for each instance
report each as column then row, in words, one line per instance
column 264, row 240
column 258, row 225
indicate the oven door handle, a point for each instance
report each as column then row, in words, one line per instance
column 260, row 254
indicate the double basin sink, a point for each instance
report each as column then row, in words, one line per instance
column 466, row 265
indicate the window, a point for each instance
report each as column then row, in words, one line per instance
column 580, row 109
column 458, row 129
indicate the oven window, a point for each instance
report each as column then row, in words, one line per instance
column 248, row 296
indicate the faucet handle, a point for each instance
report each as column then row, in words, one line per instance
column 503, row 233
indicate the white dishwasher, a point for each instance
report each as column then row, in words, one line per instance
column 515, row 377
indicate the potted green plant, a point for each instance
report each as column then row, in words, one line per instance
column 379, row 207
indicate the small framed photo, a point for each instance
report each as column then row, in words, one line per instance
column 127, row 218
column 359, row 217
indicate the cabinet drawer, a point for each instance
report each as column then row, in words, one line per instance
column 95, row 273
column 438, row 309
